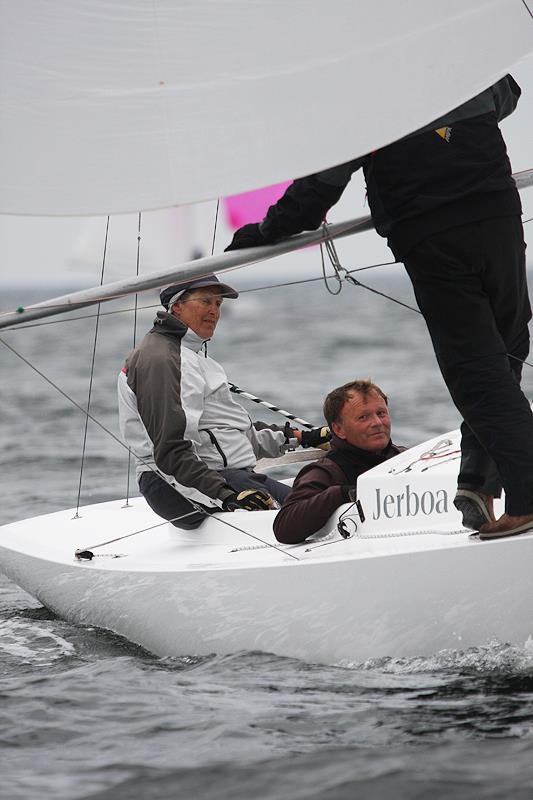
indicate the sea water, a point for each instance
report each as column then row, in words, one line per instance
column 86, row 714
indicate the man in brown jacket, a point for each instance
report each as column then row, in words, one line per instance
column 358, row 416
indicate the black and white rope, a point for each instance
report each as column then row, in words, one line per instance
column 235, row 389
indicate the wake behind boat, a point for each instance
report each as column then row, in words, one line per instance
column 407, row 580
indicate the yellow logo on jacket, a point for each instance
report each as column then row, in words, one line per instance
column 445, row 133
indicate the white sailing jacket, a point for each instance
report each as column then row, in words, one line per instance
column 178, row 417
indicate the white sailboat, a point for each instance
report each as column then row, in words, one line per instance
column 394, row 575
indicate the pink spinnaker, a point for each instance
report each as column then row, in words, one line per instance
column 252, row 206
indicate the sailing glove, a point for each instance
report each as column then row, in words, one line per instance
column 317, row 437
column 248, row 236
column 248, row 500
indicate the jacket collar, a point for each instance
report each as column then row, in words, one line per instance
column 370, row 457
column 169, row 325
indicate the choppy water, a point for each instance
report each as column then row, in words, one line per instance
column 86, row 714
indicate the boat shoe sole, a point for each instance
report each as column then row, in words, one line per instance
column 498, row 534
column 473, row 508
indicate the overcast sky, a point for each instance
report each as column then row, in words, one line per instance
column 67, row 252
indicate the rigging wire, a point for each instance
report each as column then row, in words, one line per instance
column 126, row 504
column 121, row 443
column 340, row 274
column 354, row 282
column 241, row 291
column 84, row 553
column 281, row 285
column 157, row 305
column 93, row 359
column 215, row 227
column 529, row 11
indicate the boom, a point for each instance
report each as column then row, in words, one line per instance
column 197, row 268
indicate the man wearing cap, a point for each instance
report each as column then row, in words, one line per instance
column 195, row 446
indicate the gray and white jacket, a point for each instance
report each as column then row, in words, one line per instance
column 178, row 417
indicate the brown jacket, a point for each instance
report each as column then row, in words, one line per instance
column 321, row 487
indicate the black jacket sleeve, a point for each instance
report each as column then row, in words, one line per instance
column 306, row 202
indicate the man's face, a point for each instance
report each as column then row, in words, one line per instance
column 364, row 422
column 200, row 311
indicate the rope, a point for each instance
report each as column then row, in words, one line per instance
column 397, row 534
column 235, row 389
column 336, row 271
column 390, row 535
column 339, row 270
column 93, row 359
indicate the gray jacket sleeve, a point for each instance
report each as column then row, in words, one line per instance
column 155, row 378
column 267, row 440
column 502, row 97
column 506, row 94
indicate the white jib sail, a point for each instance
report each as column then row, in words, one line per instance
column 113, row 107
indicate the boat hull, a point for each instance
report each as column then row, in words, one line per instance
column 409, row 581
column 346, row 601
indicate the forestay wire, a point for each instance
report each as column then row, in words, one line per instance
column 82, row 464
column 135, row 308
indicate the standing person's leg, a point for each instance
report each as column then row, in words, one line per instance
column 478, row 482
column 478, row 471
column 471, row 288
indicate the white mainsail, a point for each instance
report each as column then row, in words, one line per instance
column 113, row 107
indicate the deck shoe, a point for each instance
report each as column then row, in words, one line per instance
column 476, row 508
column 506, row 526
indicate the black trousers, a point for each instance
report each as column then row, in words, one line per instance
column 470, row 284
column 169, row 504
